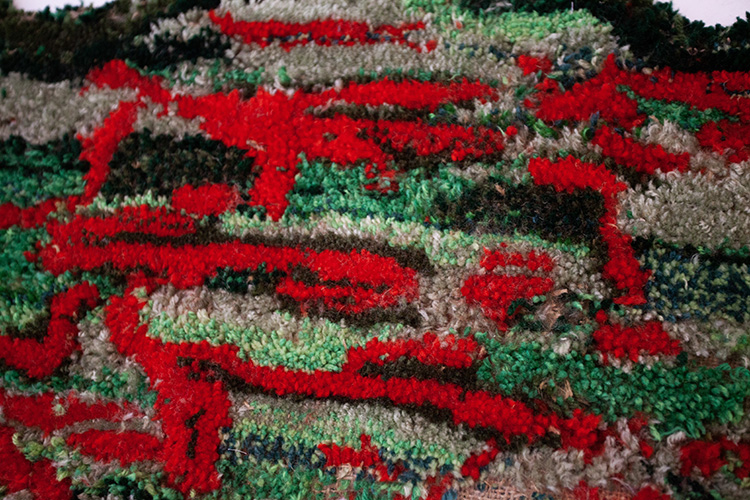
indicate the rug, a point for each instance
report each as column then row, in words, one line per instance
column 398, row 249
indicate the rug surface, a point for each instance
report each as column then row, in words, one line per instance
column 379, row 249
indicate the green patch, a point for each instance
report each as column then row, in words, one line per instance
column 322, row 187
column 680, row 398
column 307, row 345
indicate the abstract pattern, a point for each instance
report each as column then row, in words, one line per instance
column 386, row 249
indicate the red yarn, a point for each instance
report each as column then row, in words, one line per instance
column 650, row 493
column 710, row 456
column 12, row 215
column 126, row 447
column 532, row 261
column 99, row 149
column 496, row 293
column 41, row 410
column 459, row 353
column 189, row 265
column 367, row 456
column 581, row 431
column 584, row 492
column 531, row 65
column 649, row 338
column 643, row 158
column 473, row 464
column 325, row 32
column 209, row 199
column 276, row 129
column 725, row 136
column 597, row 95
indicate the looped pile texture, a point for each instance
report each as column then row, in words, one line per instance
column 402, row 249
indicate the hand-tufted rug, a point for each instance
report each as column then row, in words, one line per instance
column 396, row 249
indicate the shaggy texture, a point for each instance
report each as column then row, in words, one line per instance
column 379, row 249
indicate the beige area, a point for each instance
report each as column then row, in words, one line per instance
column 505, row 491
column 499, row 490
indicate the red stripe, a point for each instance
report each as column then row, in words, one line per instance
column 49, row 411
column 190, row 265
column 101, row 146
column 12, row 215
column 646, row 158
column 321, row 32
column 458, row 353
column 532, row 261
column 126, row 446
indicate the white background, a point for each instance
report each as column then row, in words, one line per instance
column 709, row 11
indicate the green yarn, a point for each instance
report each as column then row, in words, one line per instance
column 327, row 188
column 511, row 27
column 320, row 346
column 26, row 190
column 687, row 117
column 681, row 398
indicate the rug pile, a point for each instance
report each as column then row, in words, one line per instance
column 399, row 249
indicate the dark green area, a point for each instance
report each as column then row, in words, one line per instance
column 126, row 487
column 32, row 173
column 685, row 285
column 68, row 43
column 162, row 163
column 264, row 447
column 60, row 154
column 686, row 116
column 681, row 397
column 656, row 32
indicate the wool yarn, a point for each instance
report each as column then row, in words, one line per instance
column 400, row 249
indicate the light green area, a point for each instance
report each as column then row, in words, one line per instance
column 317, row 345
column 344, row 425
column 510, row 26
column 100, row 203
